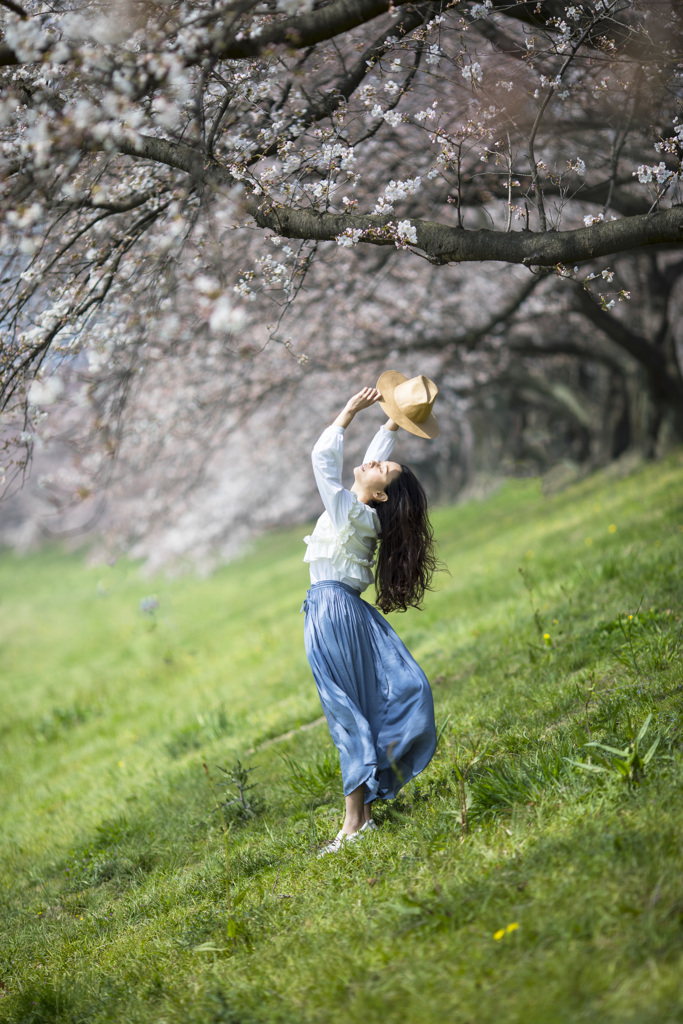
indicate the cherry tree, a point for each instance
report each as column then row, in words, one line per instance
column 185, row 184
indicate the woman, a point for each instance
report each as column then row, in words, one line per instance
column 376, row 698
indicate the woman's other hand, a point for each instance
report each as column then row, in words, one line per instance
column 363, row 400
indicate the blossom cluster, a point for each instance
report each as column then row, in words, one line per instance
column 473, row 71
column 406, row 234
column 660, row 173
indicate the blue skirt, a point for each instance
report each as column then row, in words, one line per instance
column 375, row 696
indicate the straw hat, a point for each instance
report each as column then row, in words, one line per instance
column 409, row 402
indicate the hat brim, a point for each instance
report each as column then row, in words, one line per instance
column 386, row 385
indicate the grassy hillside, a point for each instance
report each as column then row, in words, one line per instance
column 525, row 876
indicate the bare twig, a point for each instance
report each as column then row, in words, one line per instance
column 226, row 836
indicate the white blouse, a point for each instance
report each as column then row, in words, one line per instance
column 342, row 545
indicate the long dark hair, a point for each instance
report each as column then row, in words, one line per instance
column 406, row 561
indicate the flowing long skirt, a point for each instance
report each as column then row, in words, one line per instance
column 375, row 696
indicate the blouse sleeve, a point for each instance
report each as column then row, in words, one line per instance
column 327, row 458
column 381, row 446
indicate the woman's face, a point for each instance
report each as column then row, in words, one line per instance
column 373, row 478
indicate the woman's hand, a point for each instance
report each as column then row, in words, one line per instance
column 363, row 400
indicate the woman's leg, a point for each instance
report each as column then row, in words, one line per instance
column 355, row 812
column 367, row 809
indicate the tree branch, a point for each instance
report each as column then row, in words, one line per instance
column 300, row 31
column 470, row 338
column 556, row 392
column 347, row 85
column 15, row 8
column 541, row 16
column 444, row 244
column 441, row 243
column 533, row 349
column 641, row 350
column 341, row 91
column 306, row 29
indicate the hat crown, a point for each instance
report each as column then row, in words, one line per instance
column 415, row 397
column 409, row 402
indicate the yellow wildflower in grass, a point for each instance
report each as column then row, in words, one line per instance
column 499, row 934
column 611, row 528
column 547, row 640
column 505, row 931
column 512, row 927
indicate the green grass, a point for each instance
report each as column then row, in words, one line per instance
column 559, row 625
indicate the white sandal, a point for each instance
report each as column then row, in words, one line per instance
column 335, row 845
column 347, row 837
